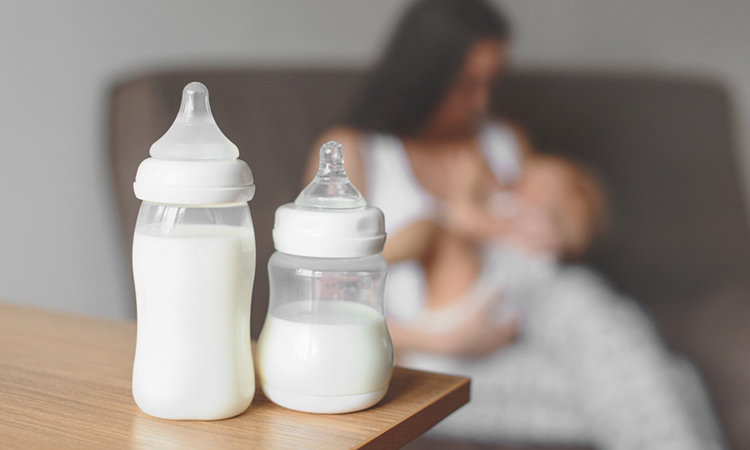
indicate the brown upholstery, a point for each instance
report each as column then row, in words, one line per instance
column 679, row 241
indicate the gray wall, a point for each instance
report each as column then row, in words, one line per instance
column 59, row 241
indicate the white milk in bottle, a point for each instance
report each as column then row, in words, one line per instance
column 343, row 348
column 193, row 266
column 325, row 346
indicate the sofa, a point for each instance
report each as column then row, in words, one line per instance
column 664, row 145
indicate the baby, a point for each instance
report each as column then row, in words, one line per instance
column 552, row 213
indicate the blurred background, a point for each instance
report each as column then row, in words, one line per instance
column 61, row 237
column 61, row 246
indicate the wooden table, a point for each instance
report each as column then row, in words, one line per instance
column 65, row 383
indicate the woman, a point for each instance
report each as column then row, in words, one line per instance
column 588, row 366
column 398, row 102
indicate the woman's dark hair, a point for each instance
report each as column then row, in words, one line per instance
column 421, row 62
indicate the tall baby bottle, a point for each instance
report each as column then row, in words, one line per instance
column 194, row 265
column 325, row 346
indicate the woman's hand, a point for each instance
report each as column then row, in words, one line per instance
column 479, row 332
column 472, row 220
column 464, row 210
column 468, row 329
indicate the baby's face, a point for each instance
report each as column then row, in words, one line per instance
column 548, row 188
column 543, row 185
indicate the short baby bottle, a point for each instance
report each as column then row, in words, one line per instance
column 193, row 265
column 325, row 346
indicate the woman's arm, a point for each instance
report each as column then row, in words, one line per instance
column 478, row 334
column 411, row 242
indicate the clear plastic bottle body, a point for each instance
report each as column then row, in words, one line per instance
column 325, row 346
column 193, row 269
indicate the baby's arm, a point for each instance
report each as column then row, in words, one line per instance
column 450, row 262
column 451, row 266
column 414, row 241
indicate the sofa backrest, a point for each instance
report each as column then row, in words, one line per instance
column 663, row 146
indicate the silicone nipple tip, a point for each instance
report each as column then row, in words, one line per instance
column 196, row 87
column 332, row 152
column 331, row 187
column 195, row 101
column 194, row 135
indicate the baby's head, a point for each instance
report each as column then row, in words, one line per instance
column 569, row 195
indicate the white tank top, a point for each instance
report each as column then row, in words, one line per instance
column 393, row 187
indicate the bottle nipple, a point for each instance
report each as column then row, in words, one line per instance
column 194, row 135
column 331, row 188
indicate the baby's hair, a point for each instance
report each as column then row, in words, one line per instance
column 588, row 191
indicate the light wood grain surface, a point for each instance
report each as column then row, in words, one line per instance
column 65, row 383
